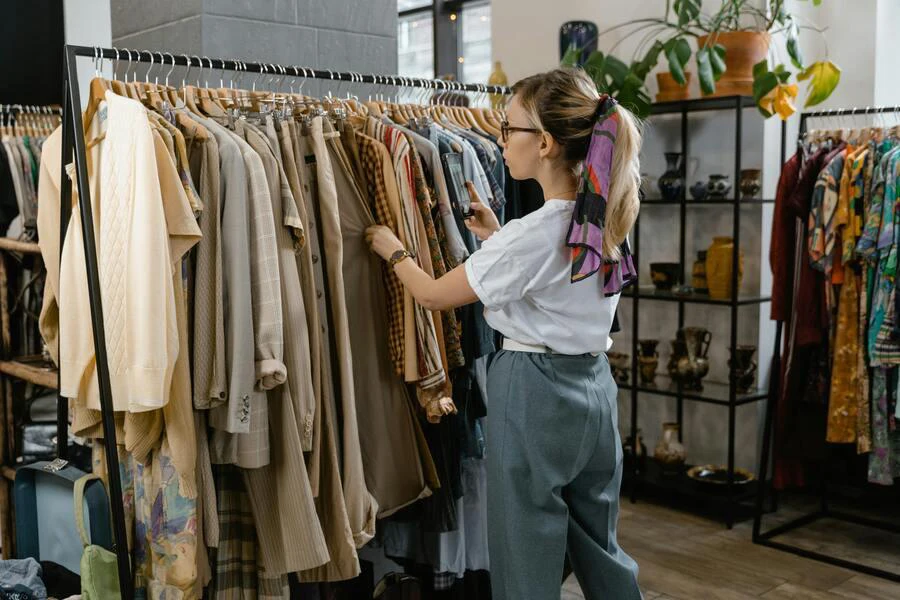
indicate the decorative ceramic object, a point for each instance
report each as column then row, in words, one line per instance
column 498, row 77
column 698, row 274
column 665, row 275
column 648, row 347
column 679, row 366
column 647, row 366
column 719, row 267
column 697, row 340
column 581, row 35
column 718, row 186
column 743, row 49
column 669, row 452
column 628, row 449
column 751, row 182
column 648, row 360
column 671, row 183
column 669, row 90
column 621, row 366
column 715, row 477
column 744, row 368
column 698, row 191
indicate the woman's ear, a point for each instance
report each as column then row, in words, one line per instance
column 549, row 147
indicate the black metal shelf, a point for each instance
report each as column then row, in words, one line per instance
column 718, row 394
column 711, row 202
column 713, row 392
column 651, row 293
column 702, row 104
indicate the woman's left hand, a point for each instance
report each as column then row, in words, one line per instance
column 382, row 241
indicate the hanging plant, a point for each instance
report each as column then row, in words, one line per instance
column 733, row 56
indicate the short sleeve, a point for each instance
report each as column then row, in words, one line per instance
column 502, row 269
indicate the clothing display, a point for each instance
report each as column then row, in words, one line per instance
column 833, row 256
column 23, row 131
column 276, row 389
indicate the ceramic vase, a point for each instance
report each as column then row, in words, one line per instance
column 669, row 452
column 751, row 182
column 744, row 368
column 718, row 186
column 719, row 268
column 671, row 183
column 648, row 360
column 698, row 274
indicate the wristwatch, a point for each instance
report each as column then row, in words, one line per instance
column 399, row 255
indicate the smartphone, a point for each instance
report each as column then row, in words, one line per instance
column 456, row 183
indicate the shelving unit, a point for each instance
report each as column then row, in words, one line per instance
column 15, row 372
column 729, row 499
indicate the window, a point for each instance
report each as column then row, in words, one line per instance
column 476, row 43
column 437, row 38
column 415, row 45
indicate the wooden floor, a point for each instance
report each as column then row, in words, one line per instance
column 691, row 558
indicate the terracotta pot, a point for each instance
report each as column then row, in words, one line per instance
column 743, row 49
column 718, row 268
column 669, row 89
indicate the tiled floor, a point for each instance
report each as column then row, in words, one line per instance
column 686, row 557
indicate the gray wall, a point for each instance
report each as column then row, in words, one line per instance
column 329, row 34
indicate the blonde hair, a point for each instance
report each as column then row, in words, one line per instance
column 564, row 102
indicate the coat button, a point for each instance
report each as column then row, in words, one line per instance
column 318, row 293
column 315, row 258
column 222, row 395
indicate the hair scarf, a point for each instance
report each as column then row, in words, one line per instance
column 585, row 235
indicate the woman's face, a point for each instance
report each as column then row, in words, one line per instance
column 522, row 149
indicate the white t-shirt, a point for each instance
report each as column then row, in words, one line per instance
column 522, row 274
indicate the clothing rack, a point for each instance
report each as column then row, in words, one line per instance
column 766, row 538
column 73, row 139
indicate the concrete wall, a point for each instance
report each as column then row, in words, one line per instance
column 328, row 34
column 88, row 24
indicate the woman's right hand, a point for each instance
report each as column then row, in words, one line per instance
column 484, row 222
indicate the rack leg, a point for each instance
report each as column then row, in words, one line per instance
column 73, row 104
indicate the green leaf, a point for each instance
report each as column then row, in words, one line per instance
column 817, row 2
column 678, row 53
column 793, row 45
column 823, row 78
column 760, row 68
column 643, row 67
column 570, row 58
column 782, row 73
column 594, row 66
column 616, row 69
column 687, row 10
column 762, row 85
column 717, row 60
column 705, row 71
column 632, row 95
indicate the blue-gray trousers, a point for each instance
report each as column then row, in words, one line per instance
column 554, row 472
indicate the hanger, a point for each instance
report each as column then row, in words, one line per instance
column 98, row 87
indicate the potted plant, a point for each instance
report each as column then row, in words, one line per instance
column 734, row 55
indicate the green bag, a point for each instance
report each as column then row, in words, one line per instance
column 99, row 568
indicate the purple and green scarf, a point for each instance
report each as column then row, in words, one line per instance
column 589, row 218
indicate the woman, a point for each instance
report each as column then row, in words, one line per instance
column 550, row 284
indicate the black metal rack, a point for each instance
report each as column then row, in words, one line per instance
column 766, row 538
column 73, row 139
column 713, row 393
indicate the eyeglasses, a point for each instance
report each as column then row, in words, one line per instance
column 505, row 130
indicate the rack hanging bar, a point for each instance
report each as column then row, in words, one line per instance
column 222, row 64
column 842, row 112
